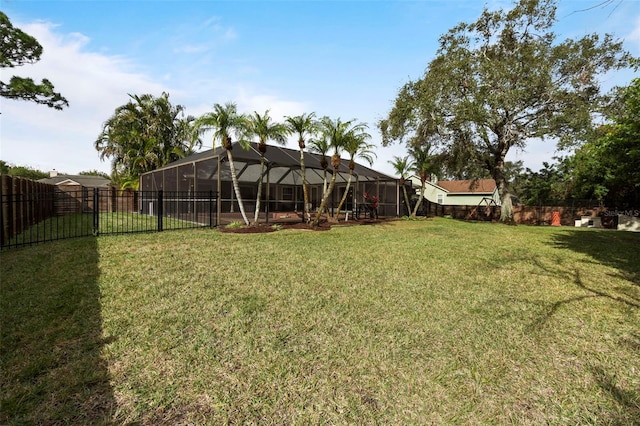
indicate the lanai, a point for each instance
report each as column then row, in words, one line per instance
column 282, row 180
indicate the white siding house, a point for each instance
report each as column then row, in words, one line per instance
column 460, row 192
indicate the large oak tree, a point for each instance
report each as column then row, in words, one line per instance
column 500, row 81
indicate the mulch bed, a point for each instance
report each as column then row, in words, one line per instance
column 323, row 226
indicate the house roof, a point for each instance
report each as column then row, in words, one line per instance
column 83, row 180
column 479, row 186
column 281, row 162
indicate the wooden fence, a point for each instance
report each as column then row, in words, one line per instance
column 25, row 202
column 526, row 215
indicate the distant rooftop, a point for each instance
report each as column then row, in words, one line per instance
column 83, row 180
column 468, row 186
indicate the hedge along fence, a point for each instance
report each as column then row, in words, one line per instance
column 24, row 202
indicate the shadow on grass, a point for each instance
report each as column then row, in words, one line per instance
column 615, row 249
column 628, row 400
column 551, row 309
column 51, row 336
column 618, row 249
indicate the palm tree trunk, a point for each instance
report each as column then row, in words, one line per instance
column 415, row 209
column 406, row 199
column 344, row 196
column 236, row 186
column 325, row 198
column 324, row 181
column 256, row 214
column 305, row 191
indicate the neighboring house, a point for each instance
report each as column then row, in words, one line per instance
column 76, row 181
column 460, row 192
column 74, row 193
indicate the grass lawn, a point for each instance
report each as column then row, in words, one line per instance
column 408, row 322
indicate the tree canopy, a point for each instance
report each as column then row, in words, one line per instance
column 606, row 167
column 21, row 171
column 18, row 48
column 146, row 133
column 500, row 81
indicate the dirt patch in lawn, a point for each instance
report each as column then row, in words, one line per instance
column 323, row 226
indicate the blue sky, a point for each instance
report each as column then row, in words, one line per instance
column 344, row 59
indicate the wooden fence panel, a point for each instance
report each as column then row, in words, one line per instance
column 24, row 203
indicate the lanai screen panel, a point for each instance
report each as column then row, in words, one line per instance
column 170, row 179
column 186, row 178
column 388, row 191
column 207, row 174
column 157, row 180
column 146, row 183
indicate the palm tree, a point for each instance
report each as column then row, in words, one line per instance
column 424, row 164
column 356, row 146
column 264, row 129
column 321, row 146
column 402, row 167
column 224, row 120
column 337, row 133
column 146, row 133
column 303, row 125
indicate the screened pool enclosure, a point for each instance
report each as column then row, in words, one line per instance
column 282, row 182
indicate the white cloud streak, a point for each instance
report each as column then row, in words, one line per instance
column 95, row 84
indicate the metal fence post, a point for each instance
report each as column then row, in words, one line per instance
column 96, row 212
column 160, row 210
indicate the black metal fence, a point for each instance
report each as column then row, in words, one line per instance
column 34, row 217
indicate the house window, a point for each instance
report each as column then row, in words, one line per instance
column 440, row 198
column 287, row 193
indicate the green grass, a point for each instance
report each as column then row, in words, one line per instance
column 78, row 225
column 410, row 322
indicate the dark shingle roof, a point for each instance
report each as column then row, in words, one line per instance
column 280, row 157
column 84, row 180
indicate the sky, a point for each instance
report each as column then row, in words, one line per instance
column 342, row 59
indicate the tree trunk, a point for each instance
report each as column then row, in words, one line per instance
column 324, row 181
column 325, row 197
column 256, row 214
column 417, row 206
column 306, row 215
column 236, row 187
column 344, row 196
column 506, row 208
column 406, row 197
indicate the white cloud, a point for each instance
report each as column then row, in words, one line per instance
column 278, row 108
column 215, row 23
column 230, row 34
column 634, row 35
column 192, row 48
column 94, row 84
